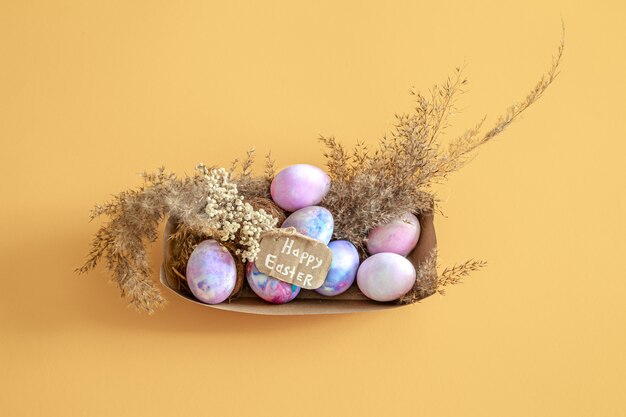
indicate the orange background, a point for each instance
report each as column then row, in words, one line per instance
column 91, row 93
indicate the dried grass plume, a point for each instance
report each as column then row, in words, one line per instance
column 372, row 186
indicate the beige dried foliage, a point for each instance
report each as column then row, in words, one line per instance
column 454, row 275
column 134, row 217
column 251, row 186
column 428, row 281
column 371, row 187
column 425, row 282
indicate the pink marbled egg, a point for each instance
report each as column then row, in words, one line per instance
column 299, row 186
column 269, row 288
column 398, row 236
column 211, row 272
column 385, row 276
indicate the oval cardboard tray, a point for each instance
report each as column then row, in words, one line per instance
column 307, row 302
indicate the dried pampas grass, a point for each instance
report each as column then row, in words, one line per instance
column 371, row 187
column 134, row 219
column 429, row 281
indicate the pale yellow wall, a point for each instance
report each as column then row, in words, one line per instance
column 91, row 93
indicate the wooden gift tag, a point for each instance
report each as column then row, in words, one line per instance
column 294, row 258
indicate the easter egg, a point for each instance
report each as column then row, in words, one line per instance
column 342, row 268
column 211, row 272
column 299, row 186
column 398, row 236
column 269, row 288
column 385, row 276
column 315, row 222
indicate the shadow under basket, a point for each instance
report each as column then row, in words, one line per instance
column 308, row 301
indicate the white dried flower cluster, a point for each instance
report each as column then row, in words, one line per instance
column 231, row 217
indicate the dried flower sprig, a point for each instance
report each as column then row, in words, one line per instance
column 428, row 281
column 251, row 186
column 454, row 275
column 460, row 150
column 230, row 217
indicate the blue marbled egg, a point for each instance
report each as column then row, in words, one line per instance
column 342, row 270
column 314, row 221
column 268, row 288
column 211, row 272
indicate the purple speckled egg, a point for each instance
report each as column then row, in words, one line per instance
column 211, row 272
column 299, row 186
column 342, row 268
column 269, row 288
column 385, row 276
column 398, row 236
column 315, row 222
